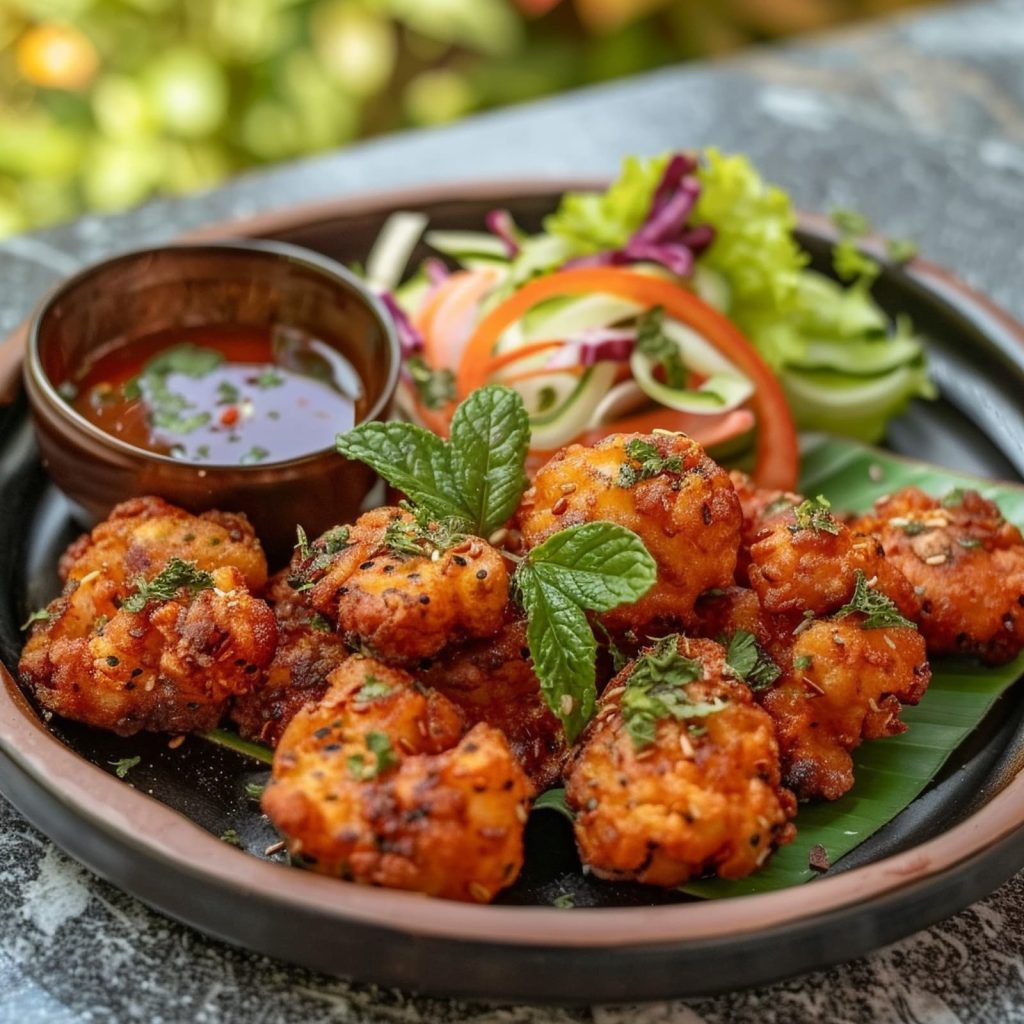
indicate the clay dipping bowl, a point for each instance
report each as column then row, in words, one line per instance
column 252, row 284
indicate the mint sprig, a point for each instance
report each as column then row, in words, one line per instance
column 472, row 483
column 590, row 567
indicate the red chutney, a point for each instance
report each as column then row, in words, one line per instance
column 221, row 395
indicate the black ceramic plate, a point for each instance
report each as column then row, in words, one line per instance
column 159, row 837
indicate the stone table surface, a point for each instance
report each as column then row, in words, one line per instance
column 919, row 123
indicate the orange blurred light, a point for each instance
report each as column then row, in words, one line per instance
column 57, row 56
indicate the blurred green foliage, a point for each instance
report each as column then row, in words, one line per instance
column 104, row 103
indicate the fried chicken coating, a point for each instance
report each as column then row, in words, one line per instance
column 142, row 535
column 378, row 784
column 493, row 681
column 305, row 656
column 703, row 796
column 843, row 684
column 402, row 604
column 838, row 684
column 172, row 665
column 804, row 560
column 966, row 563
column 759, row 507
column 664, row 488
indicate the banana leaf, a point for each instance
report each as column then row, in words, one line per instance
column 890, row 773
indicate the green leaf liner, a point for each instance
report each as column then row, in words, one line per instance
column 892, row 772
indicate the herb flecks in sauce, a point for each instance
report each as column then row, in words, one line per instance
column 221, row 395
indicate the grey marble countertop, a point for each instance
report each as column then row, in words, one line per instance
column 919, row 123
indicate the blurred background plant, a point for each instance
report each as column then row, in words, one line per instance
column 104, row 103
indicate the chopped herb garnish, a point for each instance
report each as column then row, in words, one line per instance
column 124, row 766
column 169, row 410
column 436, row 388
column 750, row 662
column 254, row 790
column 955, row 497
column 231, row 837
column 563, row 901
column 322, row 550
column 253, row 455
column 269, row 379
column 645, row 461
column 372, row 689
column 320, row 623
column 227, row 393
column 39, row 615
column 803, row 661
column 879, row 610
column 912, row 527
column 362, row 768
column 301, row 542
column 175, row 576
column 968, row 542
column 656, row 691
column 652, row 341
column 423, row 534
column 619, row 658
column 815, row 514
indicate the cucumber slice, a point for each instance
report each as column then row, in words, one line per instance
column 391, row 251
column 570, row 417
column 866, row 357
column 459, row 244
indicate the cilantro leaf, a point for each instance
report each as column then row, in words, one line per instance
column 490, row 435
column 750, row 662
column 372, row 689
column 379, row 746
column 645, row 461
column 815, row 514
column 591, row 567
column 39, row 615
column 410, row 458
column 656, row 690
column 553, row 800
column 175, row 576
column 879, row 610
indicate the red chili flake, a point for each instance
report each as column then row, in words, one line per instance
column 229, row 417
column 818, row 859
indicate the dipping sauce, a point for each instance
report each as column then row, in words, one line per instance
column 221, row 395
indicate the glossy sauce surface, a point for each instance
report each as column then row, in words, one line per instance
column 221, row 395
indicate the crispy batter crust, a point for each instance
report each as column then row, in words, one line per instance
column 688, row 518
column 444, row 816
column 693, row 801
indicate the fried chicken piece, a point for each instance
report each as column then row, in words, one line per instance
column 493, row 681
column 378, row 784
column 703, row 796
column 966, row 563
column 171, row 666
column 844, row 684
column 664, row 488
column 837, row 684
column 306, row 655
column 804, row 560
column 142, row 535
column 404, row 605
column 759, row 507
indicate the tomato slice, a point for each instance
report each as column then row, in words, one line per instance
column 777, row 451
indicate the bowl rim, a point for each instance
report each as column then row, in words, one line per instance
column 36, row 376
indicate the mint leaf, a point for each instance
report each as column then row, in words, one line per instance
column 597, row 565
column 410, row 458
column 645, row 461
column 490, row 436
column 815, row 514
column 591, row 567
column 562, row 647
column 475, row 479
